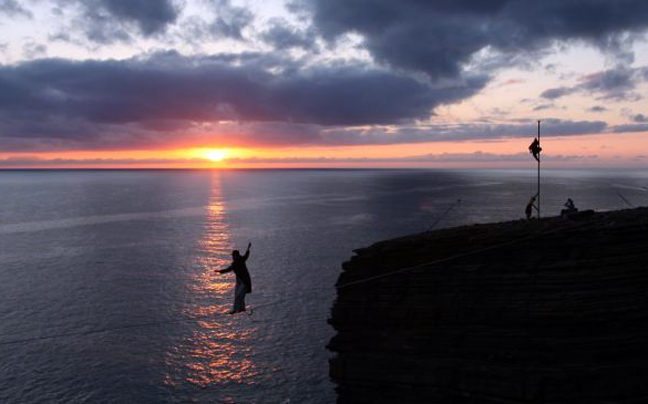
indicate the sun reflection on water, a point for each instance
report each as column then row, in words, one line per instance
column 217, row 352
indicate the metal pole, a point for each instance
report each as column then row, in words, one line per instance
column 538, row 170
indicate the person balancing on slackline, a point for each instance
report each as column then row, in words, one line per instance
column 243, row 280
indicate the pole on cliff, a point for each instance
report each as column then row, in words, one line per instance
column 539, row 169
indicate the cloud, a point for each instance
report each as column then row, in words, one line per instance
column 142, row 90
column 640, row 118
column 612, row 84
column 635, row 127
column 456, row 132
column 558, row 127
column 463, row 158
column 427, row 54
column 150, row 16
column 36, row 133
column 12, row 8
column 28, row 161
column 167, row 99
column 543, row 107
column 554, row 93
column 230, row 20
column 440, row 38
column 478, row 156
column 105, row 22
column 282, row 36
column 597, row 108
column 166, row 92
column 32, row 50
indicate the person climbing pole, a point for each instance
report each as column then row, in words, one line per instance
column 243, row 279
column 535, row 149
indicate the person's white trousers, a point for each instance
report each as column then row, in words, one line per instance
column 239, row 296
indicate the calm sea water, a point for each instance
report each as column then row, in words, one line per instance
column 107, row 285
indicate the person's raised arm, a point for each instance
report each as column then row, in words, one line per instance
column 247, row 252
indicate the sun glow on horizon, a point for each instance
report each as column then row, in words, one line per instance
column 211, row 155
column 216, row 155
column 596, row 150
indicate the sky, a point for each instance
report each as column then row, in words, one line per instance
column 323, row 83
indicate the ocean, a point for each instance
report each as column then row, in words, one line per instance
column 108, row 289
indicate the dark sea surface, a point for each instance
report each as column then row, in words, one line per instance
column 107, row 285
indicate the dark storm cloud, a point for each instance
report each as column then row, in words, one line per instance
column 355, row 96
column 231, row 100
column 440, row 37
column 96, row 99
column 207, row 90
column 153, row 99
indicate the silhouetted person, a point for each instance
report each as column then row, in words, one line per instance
column 243, row 280
column 570, row 204
column 571, row 208
column 529, row 208
column 535, row 149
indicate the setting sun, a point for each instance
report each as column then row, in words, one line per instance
column 216, row 155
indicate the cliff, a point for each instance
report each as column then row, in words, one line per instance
column 544, row 311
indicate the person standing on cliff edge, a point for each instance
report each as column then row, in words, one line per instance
column 528, row 211
column 243, row 280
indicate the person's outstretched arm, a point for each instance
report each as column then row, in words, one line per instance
column 224, row 270
column 247, row 252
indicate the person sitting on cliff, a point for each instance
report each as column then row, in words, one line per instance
column 570, row 205
column 243, row 279
column 571, row 208
column 535, row 149
column 530, row 206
